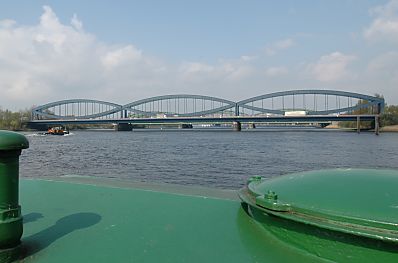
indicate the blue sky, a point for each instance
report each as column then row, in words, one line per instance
column 186, row 30
column 122, row 51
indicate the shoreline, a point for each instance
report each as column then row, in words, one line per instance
column 390, row 128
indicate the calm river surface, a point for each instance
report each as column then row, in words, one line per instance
column 212, row 158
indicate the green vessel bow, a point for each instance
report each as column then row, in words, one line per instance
column 343, row 215
column 330, row 211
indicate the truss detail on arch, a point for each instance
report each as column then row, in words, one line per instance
column 313, row 102
column 76, row 109
column 183, row 105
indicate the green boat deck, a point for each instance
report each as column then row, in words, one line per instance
column 92, row 220
column 337, row 215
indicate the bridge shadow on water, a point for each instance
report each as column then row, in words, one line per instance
column 64, row 226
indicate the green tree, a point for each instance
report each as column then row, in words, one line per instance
column 13, row 120
column 389, row 116
column 361, row 111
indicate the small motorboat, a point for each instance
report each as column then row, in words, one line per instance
column 57, row 131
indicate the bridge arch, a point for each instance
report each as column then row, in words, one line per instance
column 76, row 109
column 314, row 102
column 182, row 105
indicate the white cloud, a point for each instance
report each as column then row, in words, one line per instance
column 53, row 61
column 76, row 23
column 331, row 67
column 276, row 71
column 385, row 24
column 238, row 73
column 39, row 61
column 7, row 23
column 279, row 46
column 248, row 58
column 121, row 56
column 284, row 44
column 49, row 19
column 224, row 70
column 196, row 67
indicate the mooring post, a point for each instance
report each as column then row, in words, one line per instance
column 11, row 228
column 358, row 124
column 377, row 125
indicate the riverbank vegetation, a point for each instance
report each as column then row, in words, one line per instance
column 389, row 117
column 15, row 121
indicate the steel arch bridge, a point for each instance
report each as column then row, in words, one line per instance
column 312, row 102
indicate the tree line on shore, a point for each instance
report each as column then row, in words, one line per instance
column 388, row 117
column 16, row 121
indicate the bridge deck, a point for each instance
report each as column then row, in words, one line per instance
column 242, row 119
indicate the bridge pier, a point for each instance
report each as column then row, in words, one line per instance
column 377, row 125
column 123, row 127
column 185, row 126
column 358, row 124
column 236, row 126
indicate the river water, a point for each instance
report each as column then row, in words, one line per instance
column 215, row 158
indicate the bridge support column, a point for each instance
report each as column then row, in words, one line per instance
column 123, row 127
column 236, row 109
column 123, row 114
column 377, row 125
column 358, row 124
column 236, row 126
column 252, row 125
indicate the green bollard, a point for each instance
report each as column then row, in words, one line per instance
column 11, row 228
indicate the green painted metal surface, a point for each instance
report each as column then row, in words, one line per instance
column 11, row 144
column 12, row 141
column 69, row 222
column 345, row 215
